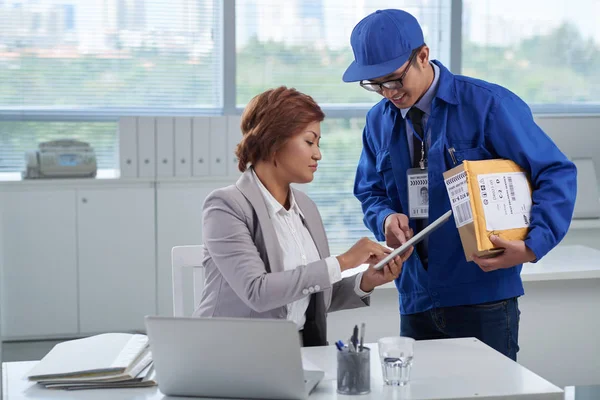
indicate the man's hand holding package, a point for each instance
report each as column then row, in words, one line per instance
column 397, row 231
column 515, row 253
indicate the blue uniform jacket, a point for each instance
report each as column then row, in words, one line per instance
column 480, row 121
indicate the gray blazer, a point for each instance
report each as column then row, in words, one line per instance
column 244, row 274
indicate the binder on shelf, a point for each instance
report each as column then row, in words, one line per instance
column 128, row 147
column 146, row 141
column 183, row 146
column 201, row 146
column 234, row 135
column 165, row 151
column 218, row 146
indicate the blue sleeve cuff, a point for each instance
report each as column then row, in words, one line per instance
column 380, row 234
column 538, row 243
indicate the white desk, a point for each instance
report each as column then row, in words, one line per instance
column 443, row 369
column 558, row 316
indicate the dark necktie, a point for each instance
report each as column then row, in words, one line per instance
column 416, row 118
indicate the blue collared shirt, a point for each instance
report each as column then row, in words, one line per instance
column 478, row 121
column 424, row 104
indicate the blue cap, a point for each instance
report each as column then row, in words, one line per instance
column 382, row 42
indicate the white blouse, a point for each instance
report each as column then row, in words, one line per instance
column 298, row 248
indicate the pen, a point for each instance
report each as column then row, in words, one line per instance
column 351, row 345
column 355, row 337
column 451, row 151
column 362, row 335
column 340, row 345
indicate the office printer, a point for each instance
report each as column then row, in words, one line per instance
column 66, row 158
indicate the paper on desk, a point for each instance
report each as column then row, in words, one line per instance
column 141, row 364
column 145, row 378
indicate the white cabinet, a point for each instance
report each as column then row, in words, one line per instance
column 80, row 258
column 179, row 222
column 117, row 269
column 39, row 263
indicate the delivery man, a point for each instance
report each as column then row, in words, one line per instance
column 427, row 122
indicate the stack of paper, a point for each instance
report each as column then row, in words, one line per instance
column 112, row 360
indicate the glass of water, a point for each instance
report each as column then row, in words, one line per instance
column 396, row 354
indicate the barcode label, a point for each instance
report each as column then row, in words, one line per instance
column 458, row 192
column 463, row 213
column 511, row 188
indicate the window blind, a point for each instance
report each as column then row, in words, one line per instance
column 306, row 44
column 74, row 54
column 331, row 190
column 550, row 55
column 103, row 58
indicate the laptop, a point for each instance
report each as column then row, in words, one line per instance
column 229, row 357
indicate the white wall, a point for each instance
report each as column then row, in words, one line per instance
column 578, row 137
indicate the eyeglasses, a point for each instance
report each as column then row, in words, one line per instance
column 394, row 84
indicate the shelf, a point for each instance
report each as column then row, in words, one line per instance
column 591, row 223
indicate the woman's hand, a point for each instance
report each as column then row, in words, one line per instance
column 365, row 251
column 391, row 271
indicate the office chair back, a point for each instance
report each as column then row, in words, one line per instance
column 183, row 257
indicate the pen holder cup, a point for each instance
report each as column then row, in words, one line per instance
column 354, row 371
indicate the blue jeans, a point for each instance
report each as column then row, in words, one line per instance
column 496, row 324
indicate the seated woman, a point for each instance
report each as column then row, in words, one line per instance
column 266, row 252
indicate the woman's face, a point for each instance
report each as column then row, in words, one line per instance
column 298, row 157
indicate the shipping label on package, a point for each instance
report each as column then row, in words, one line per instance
column 506, row 200
column 458, row 192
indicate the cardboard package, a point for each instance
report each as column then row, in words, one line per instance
column 489, row 197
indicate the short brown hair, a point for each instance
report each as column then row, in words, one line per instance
column 270, row 119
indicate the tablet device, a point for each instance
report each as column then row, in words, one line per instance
column 415, row 239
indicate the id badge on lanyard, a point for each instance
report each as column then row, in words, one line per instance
column 418, row 187
column 418, row 192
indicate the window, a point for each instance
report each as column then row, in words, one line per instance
column 110, row 55
column 306, row 44
column 97, row 60
column 70, row 68
column 546, row 51
column 331, row 190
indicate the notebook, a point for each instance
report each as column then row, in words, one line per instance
column 106, row 360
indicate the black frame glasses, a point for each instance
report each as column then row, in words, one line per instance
column 392, row 84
